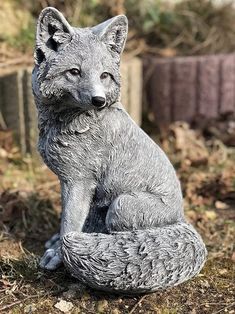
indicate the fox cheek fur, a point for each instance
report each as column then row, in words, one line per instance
column 61, row 48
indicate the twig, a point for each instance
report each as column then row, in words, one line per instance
column 135, row 306
column 8, row 306
column 226, row 307
column 3, row 124
column 212, row 303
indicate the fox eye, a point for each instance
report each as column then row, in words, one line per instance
column 104, row 75
column 74, row 71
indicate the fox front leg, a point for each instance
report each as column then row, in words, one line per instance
column 76, row 201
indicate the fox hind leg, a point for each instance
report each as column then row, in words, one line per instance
column 141, row 211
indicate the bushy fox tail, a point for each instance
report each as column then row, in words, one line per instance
column 136, row 261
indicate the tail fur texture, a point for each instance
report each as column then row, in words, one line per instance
column 135, row 261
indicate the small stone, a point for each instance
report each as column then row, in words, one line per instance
column 64, row 306
column 115, row 311
column 221, row 205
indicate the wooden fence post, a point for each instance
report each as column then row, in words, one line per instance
column 12, row 105
column 131, row 91
column 31, row 126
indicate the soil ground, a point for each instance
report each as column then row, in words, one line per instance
column 29, row 215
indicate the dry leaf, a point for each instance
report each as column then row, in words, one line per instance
column 102, row 305
column 233, row 257
column 115, row 311
column 3, row 153
column 223, row 271
column 190, row 143
column 210, row 214
column 192, row 215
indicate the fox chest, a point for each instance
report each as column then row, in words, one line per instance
column 68, row 155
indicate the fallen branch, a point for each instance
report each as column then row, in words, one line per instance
column 8, row 306
column 135, row 306
column 225, row 308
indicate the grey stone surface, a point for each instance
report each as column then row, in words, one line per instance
column 123, row 227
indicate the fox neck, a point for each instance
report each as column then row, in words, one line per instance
column 69, row 120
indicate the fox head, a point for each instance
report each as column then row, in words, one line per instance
column 77, row 67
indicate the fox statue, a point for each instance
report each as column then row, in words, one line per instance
column 122, row 224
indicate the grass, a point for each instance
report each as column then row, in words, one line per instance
column 30, row 207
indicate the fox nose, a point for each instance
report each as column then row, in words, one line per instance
column 98, row 101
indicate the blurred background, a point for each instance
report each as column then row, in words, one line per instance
column 178, row 84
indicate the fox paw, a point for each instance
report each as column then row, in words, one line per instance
column 52, row 241
column 52, row 258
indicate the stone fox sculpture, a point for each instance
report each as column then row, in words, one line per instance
column 122, row 226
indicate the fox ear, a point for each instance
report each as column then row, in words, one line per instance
column 113, row 32
column 53, row 31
